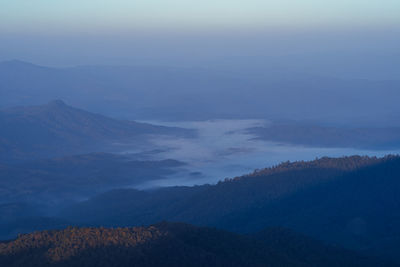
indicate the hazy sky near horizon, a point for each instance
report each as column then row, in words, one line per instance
column 103, row 15
column 336, row 36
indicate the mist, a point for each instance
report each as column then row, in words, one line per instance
column 225, row 149
column 269, row 131
column 340, row 52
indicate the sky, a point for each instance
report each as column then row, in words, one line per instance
column 103, row 15
column 187, row 32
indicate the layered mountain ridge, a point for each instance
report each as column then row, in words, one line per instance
column 304, row 199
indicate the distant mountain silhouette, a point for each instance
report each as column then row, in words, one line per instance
column 172, row 244
column 324, row 136
column 160, row 92
column 58, row 129
column 18, row 65
column 349, row 201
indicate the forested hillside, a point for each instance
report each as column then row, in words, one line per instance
column 348, row 201
column 212, row 204
column 168, row 244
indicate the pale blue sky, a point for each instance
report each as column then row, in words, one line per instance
column 21, row 15
column 206, row 32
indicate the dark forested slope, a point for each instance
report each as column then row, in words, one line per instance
column 168, row 244
column 214, row 204
column 350, row 201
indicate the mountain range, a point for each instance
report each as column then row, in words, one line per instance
column 69, row 173
column 351, row 201
column 159, row 92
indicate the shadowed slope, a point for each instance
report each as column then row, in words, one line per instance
column 169, row 244
column 58, row 129
column 349, row 201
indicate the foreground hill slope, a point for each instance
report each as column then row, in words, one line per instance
column 214, row 204
column 58, row 129
column 359, row 210
column 168, row 244
column 352, row 201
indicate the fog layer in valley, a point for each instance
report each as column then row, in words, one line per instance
column 226, row 149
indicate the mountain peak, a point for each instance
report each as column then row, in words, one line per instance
column 57, row 103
